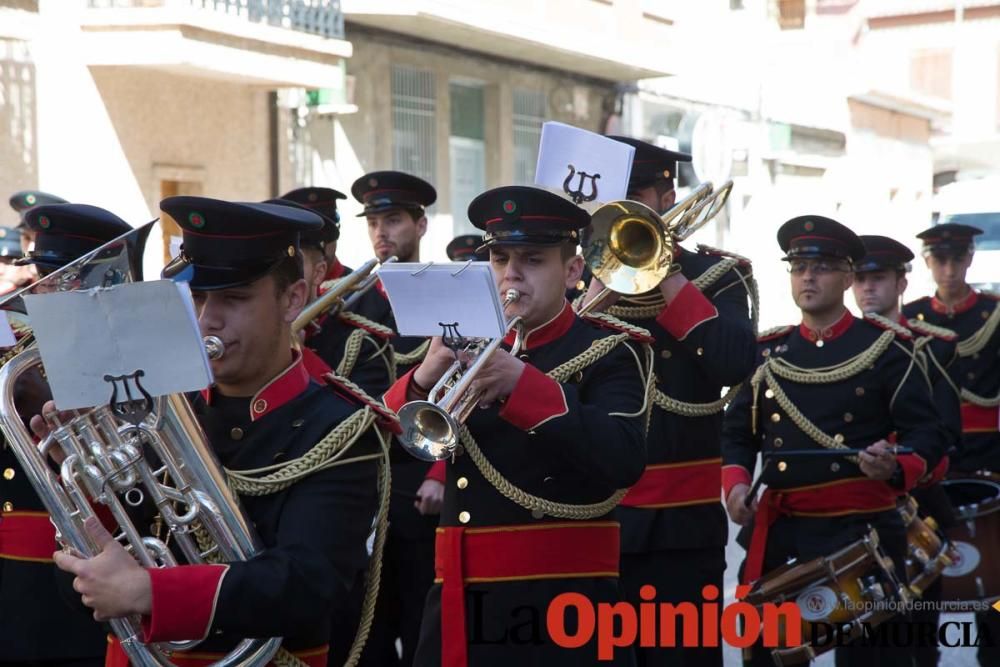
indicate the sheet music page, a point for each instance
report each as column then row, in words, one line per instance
column 426, row 295
column 85, row 335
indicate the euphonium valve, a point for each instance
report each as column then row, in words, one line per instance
column 431, row 427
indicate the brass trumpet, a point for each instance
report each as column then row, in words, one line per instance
column 630, row 247
column 354, row 284
column 431, row 427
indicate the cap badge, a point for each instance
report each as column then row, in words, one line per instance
column 197, row 220
column 945, row 234
column 312, row 196
column 31, row 199
column 809, row 226
column 373, row 182
column 44, row 222
column 509, row 206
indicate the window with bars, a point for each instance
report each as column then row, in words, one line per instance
column 529, row 114
column 413, row 122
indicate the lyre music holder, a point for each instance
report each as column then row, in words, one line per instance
column 132, row 409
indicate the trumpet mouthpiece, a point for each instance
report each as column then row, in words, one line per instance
column 214, row 347
column 510, row 296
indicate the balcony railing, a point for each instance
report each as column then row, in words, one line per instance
column 316, row 17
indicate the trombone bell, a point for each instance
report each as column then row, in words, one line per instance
column 628, row 248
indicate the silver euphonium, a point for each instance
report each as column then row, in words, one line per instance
column 431, row 427
column 121, row 460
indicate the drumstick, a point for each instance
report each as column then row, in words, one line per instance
column 821, row 453
column 748, row 500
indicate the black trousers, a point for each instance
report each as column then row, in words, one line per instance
column 678, row 576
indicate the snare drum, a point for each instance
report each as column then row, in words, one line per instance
column 854, row 586
column 926, row 551
column 974, row 574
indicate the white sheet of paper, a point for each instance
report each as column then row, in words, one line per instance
column 85, row 335
column 7, row 338
column 423, row 297
column 588, row 152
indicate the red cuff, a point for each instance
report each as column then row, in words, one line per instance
column 936, row 475
column 395, row 397
column 536, row 399
column 733, row 475
column 184, row 599
column 437, row 472
column 688, row 309
column 914, row 468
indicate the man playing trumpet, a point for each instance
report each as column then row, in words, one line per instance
column 561, row 423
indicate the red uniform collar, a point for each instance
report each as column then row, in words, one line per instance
column 335, row 271
column 381, row 290
column 965, row 304
column 547, row 332
column 285, row 386
column 832, row 332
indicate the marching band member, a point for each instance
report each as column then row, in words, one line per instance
column 353, row 347
column 324, row 202
column 974, row 315
column 22, row 202
column 244, row 267
column 879, row 283
column 32, row 604
column 558, row 446
column 394, row 209
column 465, row 247
column 672, row 520
column 864, row 384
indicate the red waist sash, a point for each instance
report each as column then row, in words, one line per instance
column 677, row 485
column 514, row 553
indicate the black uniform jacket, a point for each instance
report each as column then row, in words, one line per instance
column 313, row 532
column 572, row 442
column 977, row 372
column 891, row 395
column 704, row 342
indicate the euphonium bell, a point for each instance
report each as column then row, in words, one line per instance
column 431, row 427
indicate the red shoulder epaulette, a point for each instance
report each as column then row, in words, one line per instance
column 744, row 262
column 888, row 325
column 386, row 417
column 776, row 332
column 605, row 321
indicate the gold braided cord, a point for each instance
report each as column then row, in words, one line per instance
column 327, row 453
column 597, row 350
column 685, row 409
column 285, row 658
column 799, row 419
column 365, row 323
column 410, row 358
column 614, row 322
column 352, row 350
column 922, row 345
column 375, row 563
column 886, row 323
column 932, row 330
column 980, row 401
column 977, row 341
column 655, row 306
column 829, row 374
